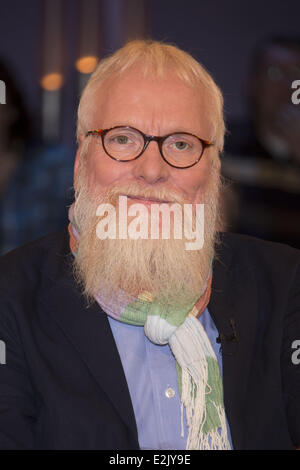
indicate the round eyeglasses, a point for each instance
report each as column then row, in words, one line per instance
column 124, row 144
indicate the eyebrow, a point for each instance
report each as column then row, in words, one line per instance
column 175, row 130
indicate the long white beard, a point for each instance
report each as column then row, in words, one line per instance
column 163, row 267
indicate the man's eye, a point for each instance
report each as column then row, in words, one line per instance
column 121, row 139
column 180, row 145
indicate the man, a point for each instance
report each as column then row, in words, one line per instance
column 116, row 338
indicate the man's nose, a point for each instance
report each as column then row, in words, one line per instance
column 150, row 166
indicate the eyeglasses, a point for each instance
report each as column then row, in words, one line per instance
column 125, row 144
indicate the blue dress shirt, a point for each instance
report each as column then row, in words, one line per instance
column 150, row 371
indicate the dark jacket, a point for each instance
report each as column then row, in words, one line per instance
column 63, row 385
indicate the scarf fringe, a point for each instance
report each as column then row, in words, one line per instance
column 191, row 347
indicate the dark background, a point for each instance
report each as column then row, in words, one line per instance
column 222, row 35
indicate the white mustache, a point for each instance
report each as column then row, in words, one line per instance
column 134, row 192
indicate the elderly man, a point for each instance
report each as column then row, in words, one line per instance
column 117, row 337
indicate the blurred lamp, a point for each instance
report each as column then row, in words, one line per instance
column 86, row 64
column 52, row 81
column 52, row 68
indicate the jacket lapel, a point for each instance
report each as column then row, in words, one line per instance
column 88, row 329
column 233, row 307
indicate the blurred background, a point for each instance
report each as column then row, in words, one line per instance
column 48, row 48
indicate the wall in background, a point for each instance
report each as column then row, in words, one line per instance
column 221, row 34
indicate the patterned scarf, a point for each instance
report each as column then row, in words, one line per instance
column 199, row 380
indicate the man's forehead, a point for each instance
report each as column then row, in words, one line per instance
column 167, row 98
column 133, row 82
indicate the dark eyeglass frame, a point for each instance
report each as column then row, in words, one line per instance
column 147, row 139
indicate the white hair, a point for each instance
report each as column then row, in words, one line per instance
column 156, row 59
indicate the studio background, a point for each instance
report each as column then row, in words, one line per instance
column 41, row 44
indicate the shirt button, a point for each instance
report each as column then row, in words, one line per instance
column 169, row 392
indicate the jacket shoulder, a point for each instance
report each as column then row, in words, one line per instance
column 22, row 268
column 238, row 251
